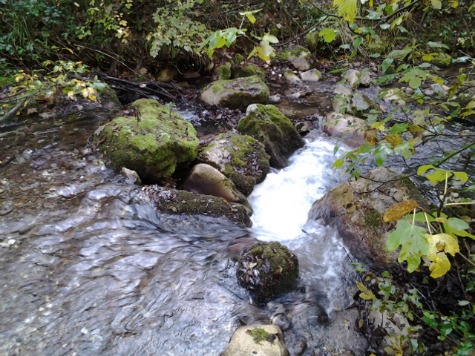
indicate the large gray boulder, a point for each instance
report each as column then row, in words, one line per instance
column 236, row 93
column 154, row 142
column 357, row 208
column 241, row 158
column 269, row 126
column 257, row 340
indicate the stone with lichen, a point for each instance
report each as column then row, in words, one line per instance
column 154, row 142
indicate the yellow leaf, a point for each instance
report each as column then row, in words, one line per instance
column 378, row 126
column 442, row 243
column 365, row 294
column 439, row 266
column 393, row 140
column 398, row 210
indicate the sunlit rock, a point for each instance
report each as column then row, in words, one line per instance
column 154, row 142
column 258, row 340
column 267, row 270
column 236, row 93
column 357, row 207
column 352, row 130
column 269, row 126
column 241, row 158
column 205, row 179
column 298, row 57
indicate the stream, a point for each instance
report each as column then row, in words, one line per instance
column 88, row 269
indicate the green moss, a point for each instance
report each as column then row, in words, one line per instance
column 259, row 335
column 224, row 71
column 249, row 70
column 440, row 59
column 287, row 54
column 153, row 146
column 373, row 219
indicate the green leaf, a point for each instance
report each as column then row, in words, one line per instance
column 347, row 9
column 338, row 163
column 413, row 242
column 381, row 153
column 328, row 34
column 405, row 149
column 436, row 4
column 250, row 15
column 386, row 64
column 437, row 45
column 463, row 176
column 398, row 128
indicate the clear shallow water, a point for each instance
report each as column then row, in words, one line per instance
column 89, row 268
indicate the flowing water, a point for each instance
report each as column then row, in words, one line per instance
column 89, row 268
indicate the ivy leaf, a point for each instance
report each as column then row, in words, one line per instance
column 347, row 9
column 366, row 293
column 413, row 242
column 439, row 266
column 405, row 149
column 328, row 34
column 381, row 154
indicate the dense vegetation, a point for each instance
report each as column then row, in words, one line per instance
column 50, row 46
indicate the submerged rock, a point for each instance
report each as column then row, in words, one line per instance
column 259, row 340
column 356, row 208
column 269, row 126
column 154, row 143
column 241, row 158
column 173, row 201
column 268, row 270
column 236, row 93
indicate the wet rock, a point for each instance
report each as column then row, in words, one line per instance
column 241, row 158
column 154, row 143
column 173, row 201
column 267, row 270
column 393, row 325
column 356, row 208
column 259, row 340
column 205, row 179
column 312, row 75
column 236, row 93
column 131, row 175
column 298, row 57
column 292, row 78
column 352, row 130
column 356, row 78
column 269, row 126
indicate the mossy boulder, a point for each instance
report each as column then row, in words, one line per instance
column 268, row 125
column 174, row 201
column 249, row 70
column 154, row 143
column 357, row 208
column 267, row 270
column 259, row 340
column 241, row 158
column 236, row 93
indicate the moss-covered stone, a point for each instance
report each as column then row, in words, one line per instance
column 173, row 201
column 236, row 93
column 259, row 335
column 268, row 125
column 249, row 70
column 357, row 208
column 223, row 72
column 154, row 143
column 268, row 270
column 241, row 158
column 298, row 57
